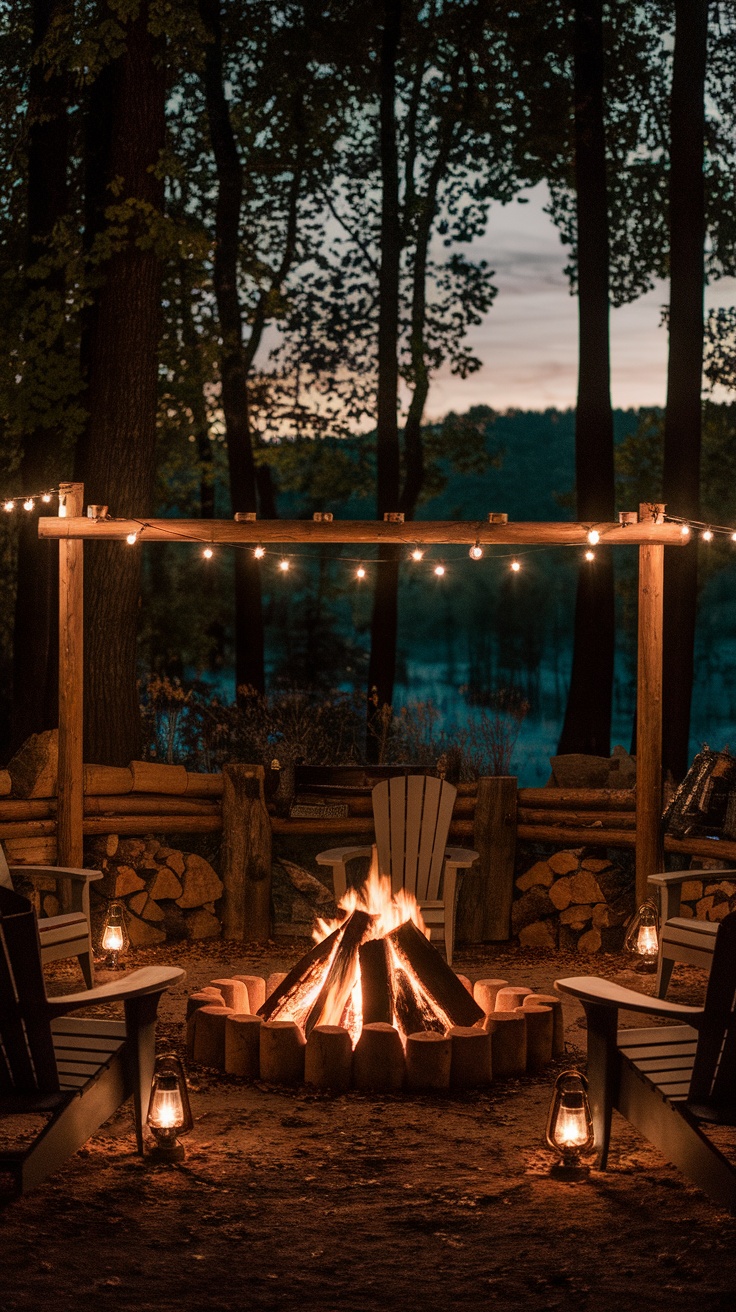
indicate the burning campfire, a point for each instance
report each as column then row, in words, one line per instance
column 375, row 964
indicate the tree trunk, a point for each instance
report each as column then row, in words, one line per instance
column 587, row 725
column 116, row 458
column 384, row 619
column 35, row 637
column 249, row 656
column 683, row 418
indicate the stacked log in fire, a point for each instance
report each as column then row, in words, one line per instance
column 373, row 1006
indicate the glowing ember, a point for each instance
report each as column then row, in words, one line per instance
column 373, row 964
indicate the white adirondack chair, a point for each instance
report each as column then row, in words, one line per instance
column 412, row 820
column 682, row 938
column 67, row 935
column 76, row 1070
column 667, row 1079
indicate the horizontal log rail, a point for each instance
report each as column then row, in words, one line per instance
column 618, row 799
column 555, row 816
column 284, row 532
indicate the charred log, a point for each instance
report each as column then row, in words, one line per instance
column 436, row 977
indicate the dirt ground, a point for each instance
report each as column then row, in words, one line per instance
column 302, row 1202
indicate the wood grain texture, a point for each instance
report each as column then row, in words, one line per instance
column 246, row 854
column 71, row 685
column 486, row 893
column 649, row 854
column 286, row 531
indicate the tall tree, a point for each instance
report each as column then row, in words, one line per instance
column 683, row 416
column 249, row 666
column 115, row 459
column 45, row 441
column 587, row 724
column 384, row 618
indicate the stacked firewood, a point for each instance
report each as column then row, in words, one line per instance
column 517, row 1032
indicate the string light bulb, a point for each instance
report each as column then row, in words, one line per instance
column 8, row 505
column 708, row 535
column 590, row 555
column 733, row 537
column 46, row 498
column 360, row 572
column 476, row 552
column 515, row 566
column 284, row 565
column 208, row 553
column 259, row 553
column 593, row 536
column 28, row 503
column 131, row 539
column 685, row 531
column 439, row 570
column 417, row 554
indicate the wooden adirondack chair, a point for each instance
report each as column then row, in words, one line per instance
column 76, row 1069
column 682, row 938
column 67, row 935
column 667, row 1079
column 412, row 817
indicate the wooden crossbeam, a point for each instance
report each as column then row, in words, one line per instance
column 286, row 532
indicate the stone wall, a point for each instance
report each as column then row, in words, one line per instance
column 573, row 900
column 167, row 893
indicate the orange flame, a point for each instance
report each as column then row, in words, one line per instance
column 377, row 897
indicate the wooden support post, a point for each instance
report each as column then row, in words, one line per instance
column 246, row 854
column 649, row 851
column 487, row 890
column 71, row 680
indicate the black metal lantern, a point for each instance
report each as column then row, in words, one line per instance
column 114, row 937
column 570, row 1125
column 169, row 1113
column 642, row 937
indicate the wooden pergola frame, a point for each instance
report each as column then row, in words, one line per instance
column 650, row 534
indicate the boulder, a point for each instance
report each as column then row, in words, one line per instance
column 142, row 933
column 563, row 863
column 584, row 887
column 200, row 883
column 165, row 884
column 541, row 934
column 590, row 941
column 531, row 906
column 202, row 924
column 536, row 875
column 127, row 881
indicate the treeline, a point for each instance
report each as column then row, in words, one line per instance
column 183, row 180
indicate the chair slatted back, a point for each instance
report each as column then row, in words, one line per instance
column 412, row 821
column 713, row 1081
column 27, row 1061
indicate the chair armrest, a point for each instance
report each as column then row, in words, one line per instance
column 57, row 872
column 337, row 855
column 589, row 988
column 460, row 856
column 149, row 979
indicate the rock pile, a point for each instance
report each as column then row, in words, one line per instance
column 167, row 893
column 572, row 901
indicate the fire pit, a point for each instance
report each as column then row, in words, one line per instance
column 373, row 1005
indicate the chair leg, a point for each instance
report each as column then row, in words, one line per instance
column 140, row 1024
column 603, row 1063
column 450, row 898
column 86, row 965
column 664, row 975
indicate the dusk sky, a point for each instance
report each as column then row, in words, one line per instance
column 528, row 340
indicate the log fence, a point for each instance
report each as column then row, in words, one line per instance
column 492, row 814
